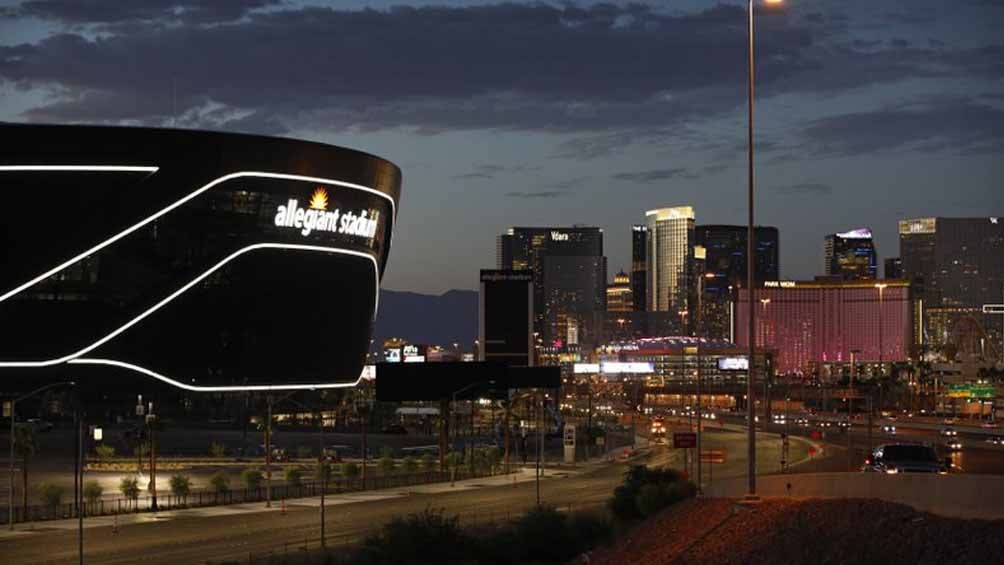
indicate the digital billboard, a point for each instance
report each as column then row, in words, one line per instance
column 204, row 260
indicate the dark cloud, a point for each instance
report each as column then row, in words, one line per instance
column 956, row 126
column 655, row 175
column 714, row 169
column 123, row 11
column 567, row 184
column 805, row 188
column 482, row 172
column 538, row 194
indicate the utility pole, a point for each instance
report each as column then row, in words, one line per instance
column 268, row 454
column 80, row 492
column 151, row 424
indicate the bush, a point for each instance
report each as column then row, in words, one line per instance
column 493, row 457
column 322, row 471
column 220, row 483
column 429, row 463
column 129, row 487
column 646, row 490
column 93, row 491
column 350, row 470
column 52, row 494
column 104, row 452
column 543, row 535
column 429, row 534
column 294, row 476
column 409, row 465
column 217, row 449
column 181, row 486
column 304, row 451
column 252, row 478
column 386, row 464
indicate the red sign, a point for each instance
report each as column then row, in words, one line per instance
column 713, row 456
column 684, row 439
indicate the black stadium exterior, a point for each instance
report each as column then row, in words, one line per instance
column 198, row 260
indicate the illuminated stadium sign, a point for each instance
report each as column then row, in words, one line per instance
column 317, row 217
column 181, row 257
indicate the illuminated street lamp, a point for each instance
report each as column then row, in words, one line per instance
column 750, row 268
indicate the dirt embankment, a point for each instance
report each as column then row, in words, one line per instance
column 809, row 531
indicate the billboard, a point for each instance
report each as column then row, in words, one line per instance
column 207, row 261
column 505, row 321
column 733, row 364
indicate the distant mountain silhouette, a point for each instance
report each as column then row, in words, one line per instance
column 428, row 319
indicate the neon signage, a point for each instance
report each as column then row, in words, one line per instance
column 318, row 218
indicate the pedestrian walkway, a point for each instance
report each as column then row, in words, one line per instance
column 521, row 476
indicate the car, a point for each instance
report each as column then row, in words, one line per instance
column 394, row 429
column 844, row 424
column 954, row 445
column 40, row 425
column 889, row 429
column 988, row 425
column 951, row 420
column 948, row 432
column 895, row 458
column 995, row 440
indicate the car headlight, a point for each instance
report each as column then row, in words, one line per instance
column 891, row 471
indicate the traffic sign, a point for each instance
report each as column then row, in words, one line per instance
column 683, row 440
column 713, row 456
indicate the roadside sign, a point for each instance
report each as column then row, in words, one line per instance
column 683, row 440
column 6, row 408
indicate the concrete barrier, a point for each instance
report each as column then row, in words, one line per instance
column 958, row 496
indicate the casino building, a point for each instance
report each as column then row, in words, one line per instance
column 206, row 261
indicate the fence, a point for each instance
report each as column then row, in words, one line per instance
column 205, row 497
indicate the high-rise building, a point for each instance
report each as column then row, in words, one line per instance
column 619, row 294
column 812, row 324
column 639, row 268
column 956, row 265
column 893, row 268
column 850, row 255
column 670, row 259
column 569, row 280
column 725, row 266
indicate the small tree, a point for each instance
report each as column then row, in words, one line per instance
column 454, row 460
column 494, row 459
column 181, row 486
column 386, row 463
column 252, row 478
column 52, row 494
column 429, row 463
column 294, row 477
column 92, row 492
column 129, row 487
column 322, row 472
column 104, row 452
column 220, row 483
column 304, row 451
column 217, row 450
column 350, row 469
column 409, row 465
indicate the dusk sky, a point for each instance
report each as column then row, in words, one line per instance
column 558, row 113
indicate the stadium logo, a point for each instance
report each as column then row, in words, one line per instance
column 318, row 218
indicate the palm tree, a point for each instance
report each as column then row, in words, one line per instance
column 25, row 447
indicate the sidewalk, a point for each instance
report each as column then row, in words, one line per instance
column 522, row 476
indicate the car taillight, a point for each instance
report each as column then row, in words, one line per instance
column 868, row 461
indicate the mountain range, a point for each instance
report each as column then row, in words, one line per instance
column 428, row 319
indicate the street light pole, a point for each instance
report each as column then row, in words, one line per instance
column 750, row 256
column 13, row 406
column 881, row 287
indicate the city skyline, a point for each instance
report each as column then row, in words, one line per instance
column 867, row 114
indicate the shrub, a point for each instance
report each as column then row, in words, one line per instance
column 252, row 478
column 52, row 494
column 181, row 486
column 217, row 449
column 322, row 471
column 294, row 476
column 104, row 452
column 651, row 499
column 386, row 463
column 409, row 464
column 129, row 487
column 589, row 530
column 304, row 451
column 93, row 491
column 493, row 458
column 429, row 534
column 350, row 470
column 429, row 462
column 220, row 483
column 454, row 460
column 542, row 535
column 647, row 490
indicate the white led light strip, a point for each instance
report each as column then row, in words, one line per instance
column 195, row 281
column 120, row 235
column 193, row 388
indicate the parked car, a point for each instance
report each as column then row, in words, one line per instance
column 894, row 458
column 395, row 429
